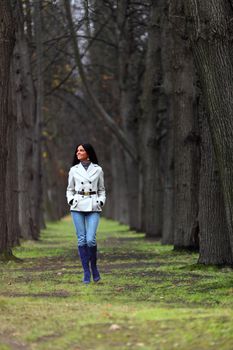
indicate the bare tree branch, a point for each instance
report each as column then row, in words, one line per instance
column 99, row 109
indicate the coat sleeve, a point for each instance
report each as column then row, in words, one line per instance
column 70, row 191
column 101, row 188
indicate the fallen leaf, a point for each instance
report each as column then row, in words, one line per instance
column 114, row 327
column 140, row 344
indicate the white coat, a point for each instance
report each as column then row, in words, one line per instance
column 88, row 180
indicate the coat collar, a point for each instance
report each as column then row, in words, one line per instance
column 91, row 170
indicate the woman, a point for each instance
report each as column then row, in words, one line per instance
column 86, row 197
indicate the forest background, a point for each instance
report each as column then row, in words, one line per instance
column 149, row 84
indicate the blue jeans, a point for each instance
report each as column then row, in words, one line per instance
column 86, row 224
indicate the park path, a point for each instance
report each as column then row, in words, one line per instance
column 149, row 297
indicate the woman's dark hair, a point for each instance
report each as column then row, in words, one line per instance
column 90, row 151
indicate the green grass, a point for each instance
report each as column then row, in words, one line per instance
column 150, row 297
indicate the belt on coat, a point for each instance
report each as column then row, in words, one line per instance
column 86, row 193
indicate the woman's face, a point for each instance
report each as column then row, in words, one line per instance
column 81, row 153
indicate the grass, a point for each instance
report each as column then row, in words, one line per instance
column 150, row 297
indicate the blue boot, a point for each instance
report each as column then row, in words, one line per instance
column 84, row 256
column 93, row 260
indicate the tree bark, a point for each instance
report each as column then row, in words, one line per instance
column 28, row 19
column 12, row 193
column 150, row 127
column 128, row 72
column 37, row 179
column 210, row 33
column 6, row 48
column 214, row 239
column 186, row 156
column 119, row 200
column 24, row 108
column 168, row 145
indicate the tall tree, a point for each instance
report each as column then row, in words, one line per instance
column 7, row 40
column 37, row 186
column 186, row 148
column 129, row 69
column 211, row 39
column 214, row 239
column 12, row 189
column 167, row 144
column 23, row 92
column 150, row 126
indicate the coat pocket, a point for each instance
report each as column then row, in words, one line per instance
column 75, row 201
column 96, row 204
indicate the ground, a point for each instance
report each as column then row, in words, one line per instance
column 150, row 297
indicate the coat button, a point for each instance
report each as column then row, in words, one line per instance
column 97, row 201
column 82, row 189
column 89, row 182
column 82, row 183
column 83, row 196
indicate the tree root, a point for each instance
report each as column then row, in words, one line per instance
column 7, row 255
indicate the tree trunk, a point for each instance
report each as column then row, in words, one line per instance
column 150, row 127
column 54, row 185
column 128, row 62
column 214, row 239
column 211, row 39
column 37, row 186
column 6, row 49
column 186, row 157
column 168, row 161
column 24, row 108
column 12, row 193
column 119, row 200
